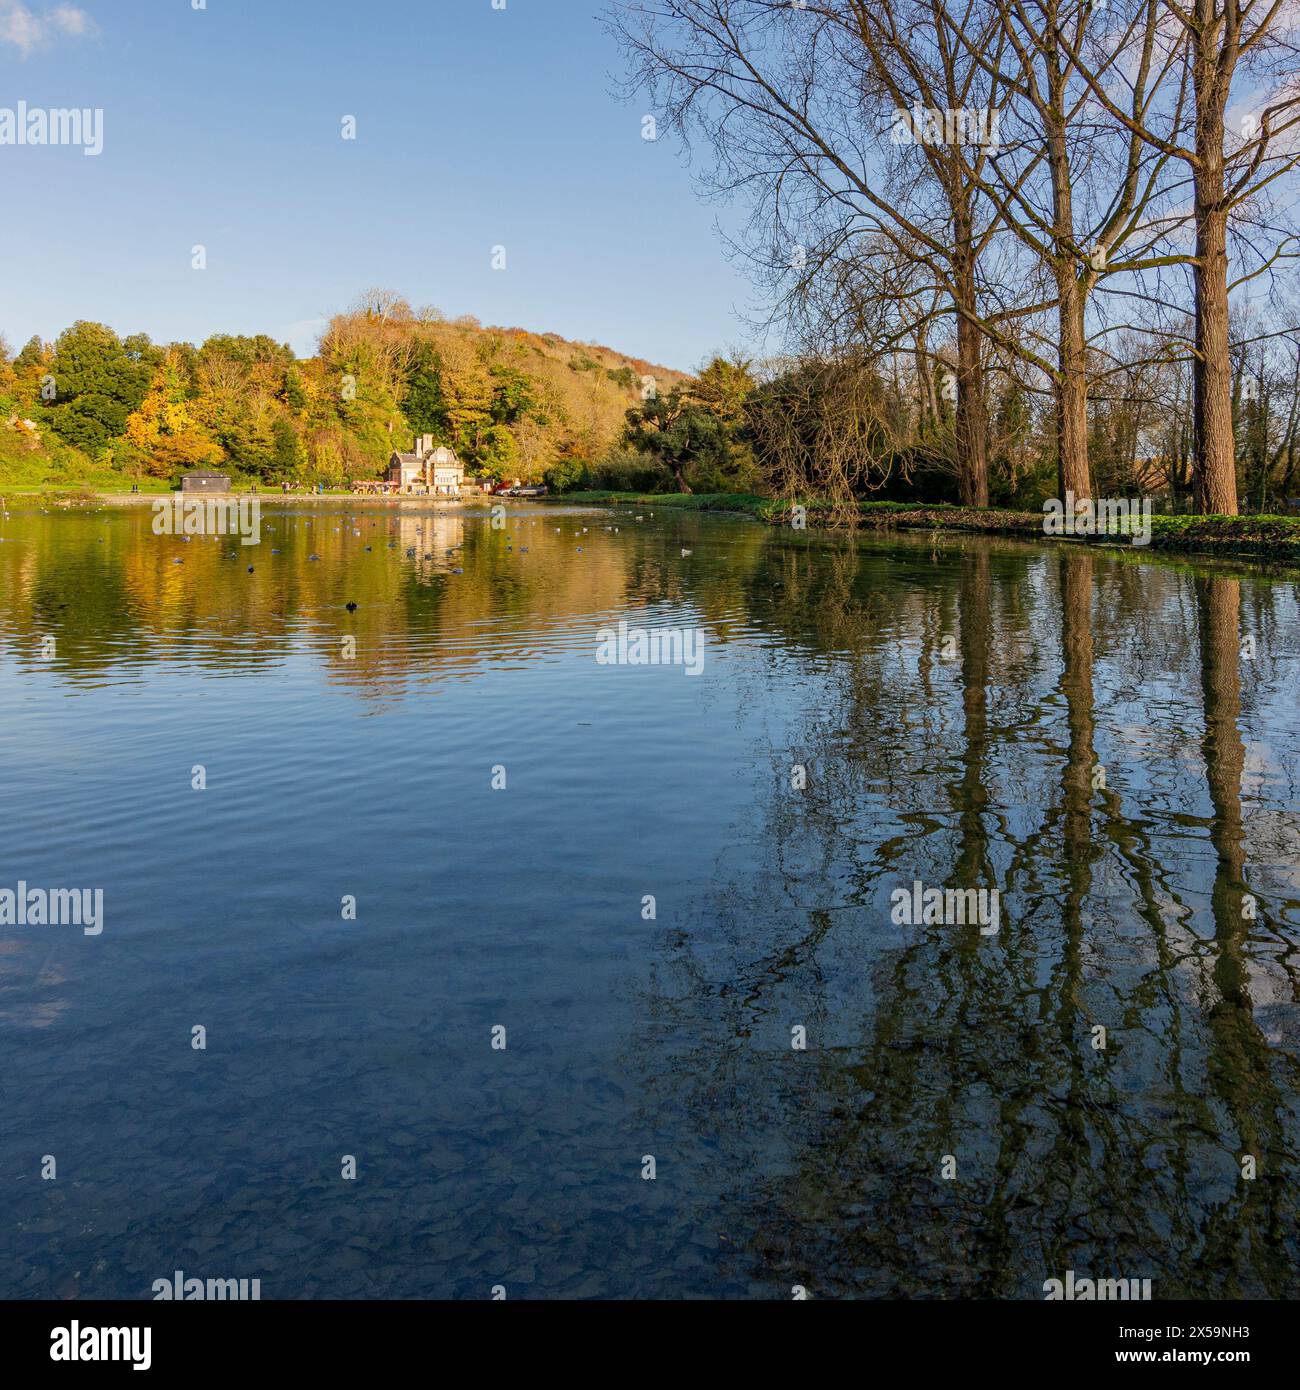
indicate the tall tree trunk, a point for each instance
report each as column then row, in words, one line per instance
column 929, row 402
column 972, row 417
column 1215, row 486
column 1073, row 471
column 1215, row 483
column 972, row 409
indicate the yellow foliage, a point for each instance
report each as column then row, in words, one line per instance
column 167, row 428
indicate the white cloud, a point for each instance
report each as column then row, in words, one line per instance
column 70, row 20
column 19, row 26
column 27, row 29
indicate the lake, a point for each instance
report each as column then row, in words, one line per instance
column 632, row 1003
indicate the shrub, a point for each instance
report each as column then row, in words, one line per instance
column 626, row 470
column 565, row 474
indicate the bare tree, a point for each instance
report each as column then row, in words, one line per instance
column 798, row 104
column 1222, row 40
column 1082, row 192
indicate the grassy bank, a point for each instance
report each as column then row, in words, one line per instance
column 1265, row 537
column 26, row 470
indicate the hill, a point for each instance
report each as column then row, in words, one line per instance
column 97, row 409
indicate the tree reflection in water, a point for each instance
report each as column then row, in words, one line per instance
column 1084, row 753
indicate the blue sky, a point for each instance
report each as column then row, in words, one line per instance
column 475, row 128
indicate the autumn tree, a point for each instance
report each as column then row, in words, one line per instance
column 166, row 430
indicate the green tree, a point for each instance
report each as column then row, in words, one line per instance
column 295, row 396
column 97, row 383
column 724, row 386
column 513, row 396
column 288, row 457
column 425, row 401
column 565, row 474
column 497, row 454
column 682, row 434
column 33, row 355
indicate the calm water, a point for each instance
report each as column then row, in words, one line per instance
column 952, row 704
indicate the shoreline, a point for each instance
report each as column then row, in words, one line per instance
column 1265, row 537
column 141, row 499
column 1270, row 538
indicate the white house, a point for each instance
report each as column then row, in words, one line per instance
column 438, row 471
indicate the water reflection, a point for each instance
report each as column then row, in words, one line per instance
column 1123, row 894
column 1106, row 738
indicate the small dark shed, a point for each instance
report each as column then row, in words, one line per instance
column 205, row 480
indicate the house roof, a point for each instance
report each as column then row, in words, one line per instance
column 444, row 458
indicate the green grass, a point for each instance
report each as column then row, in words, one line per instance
column 56, row 467
column 95, row 482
